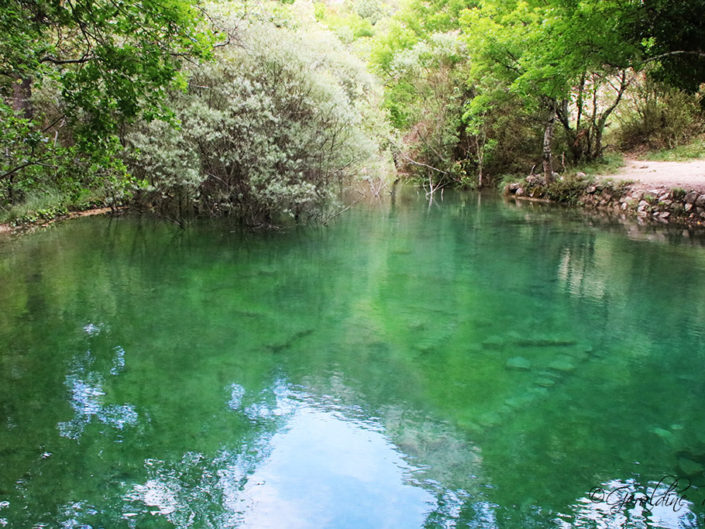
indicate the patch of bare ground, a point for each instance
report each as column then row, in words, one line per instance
column 647, row 175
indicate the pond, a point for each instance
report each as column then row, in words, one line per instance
column 465, row 363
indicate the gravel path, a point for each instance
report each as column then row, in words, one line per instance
column 659, row 175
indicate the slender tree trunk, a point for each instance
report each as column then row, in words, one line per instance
column 480, row 159
column 600, row 124
column 547, row 142
column 22, row 97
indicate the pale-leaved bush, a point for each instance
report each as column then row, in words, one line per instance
column 271, row 129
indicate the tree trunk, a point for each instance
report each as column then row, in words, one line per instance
column 22, row 97
column 547, row 142
column 480, row 159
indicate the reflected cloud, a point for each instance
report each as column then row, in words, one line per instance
column 93, row 329
column 87, row 397
column 310, row 466
column 3, row 505
column 237, row 392
column 323, row 471
column 118, row 361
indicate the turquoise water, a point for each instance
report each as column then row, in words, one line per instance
column 462, row 364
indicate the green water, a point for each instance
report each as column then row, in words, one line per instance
column 463, row 364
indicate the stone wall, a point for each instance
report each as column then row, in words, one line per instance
column 661, row 205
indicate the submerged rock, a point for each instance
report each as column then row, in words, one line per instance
column 689, row 468
column 562, row 363
column 493, row 342
column 519, row 363
column 663, row 434
column 544, row 342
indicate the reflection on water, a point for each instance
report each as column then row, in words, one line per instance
column 628, row 505
column 463, row 364
column 324, row 471
column 312, row 467
column 87, row 394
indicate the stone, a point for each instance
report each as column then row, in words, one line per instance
column 591, row 189
column 643, row 204
column 494, row 342
column 545, row 341
column 665, row 214
column 664, row 434
column 545, row 382
column 700, row 201
column 519, row 363
column 519, row 191
column 691, row 197
column 664, row 197
column 513, row 187
column 624, row 206
column 562, row 363
column 580, row 174
column 687, row 207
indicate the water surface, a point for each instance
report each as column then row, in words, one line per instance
column 462, row 364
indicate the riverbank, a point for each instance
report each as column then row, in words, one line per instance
column 11, row 229
column 649, row 191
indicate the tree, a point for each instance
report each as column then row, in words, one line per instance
column 421, row 61
column 109, row 62
column 675, row 33
column 557, row 55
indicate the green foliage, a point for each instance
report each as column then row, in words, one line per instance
column 422, row 63
column 74, row 74
column 678, row 193
column 50, row 203
column 608, row 164
column 561, row 58
column 500, row 120
column 675, row 31
column 660, row 117
column 267, row 132
column 352, row 22
column 566, row 190
column 690, row 151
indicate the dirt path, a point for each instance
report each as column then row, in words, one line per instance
column 663, row 175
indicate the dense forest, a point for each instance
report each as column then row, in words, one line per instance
column 269, row 111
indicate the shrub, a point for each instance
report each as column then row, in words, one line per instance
column 660, row 117
column 269, row 130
